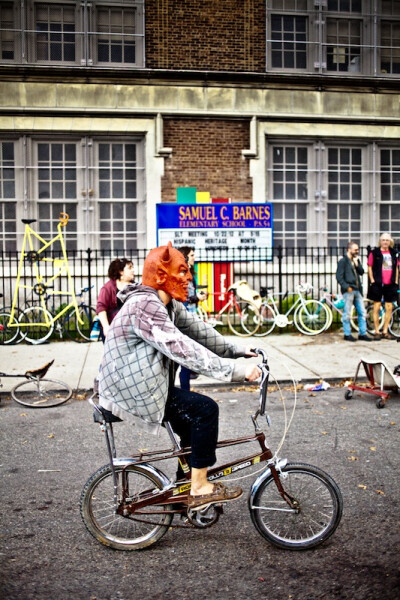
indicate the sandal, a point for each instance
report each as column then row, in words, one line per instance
column 388, row 336
column 220, row 493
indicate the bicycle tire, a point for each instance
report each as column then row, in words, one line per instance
column 245, row 321
column 33, row 324
column 330, row 316
column 318, row 516
column 394, row 326
column 311, row 318
column 267, row 320
column 8, row 335
column 80, row 332
column 98, row 510
column 41, row 393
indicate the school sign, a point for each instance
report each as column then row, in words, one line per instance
column 222, row 227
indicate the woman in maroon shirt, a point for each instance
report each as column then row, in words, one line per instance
column 120, row 273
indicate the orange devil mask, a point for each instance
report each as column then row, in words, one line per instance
column 166, row 269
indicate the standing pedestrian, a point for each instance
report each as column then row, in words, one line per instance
column 348, row 275
column 185, row 375
column 120, row 273
column 383, row 273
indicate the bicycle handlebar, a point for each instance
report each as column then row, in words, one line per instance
column 264, row 380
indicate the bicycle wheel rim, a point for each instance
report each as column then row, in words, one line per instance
column 267, row 321
column 243, row 318
column 311, row 318
column 319, row 514
column 8, row 334
column 36, row 324
column 98, row 510
column 80, row 332
column 41, row 393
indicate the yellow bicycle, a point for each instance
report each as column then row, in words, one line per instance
column 36, row 323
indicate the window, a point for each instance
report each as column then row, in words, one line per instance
column 118, row 193
column 57, row 186
column 116, row 42
column 390, row 190
column 100, row 33
column 334, row 36
column 344, row 195
column 290, row 195
column 55, row 37
column 6, row 31
column 7, row 197
column 288, row 37
column 343, row 45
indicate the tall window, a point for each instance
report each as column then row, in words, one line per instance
column 7, row 197
column 57, row 188
column 344, row 195
column 343, row 45
column 7, row 31
column 55, row 37
column 288, row 37
column 390, row 46
column 290, row 195
column 118, row 195
column 390, row 190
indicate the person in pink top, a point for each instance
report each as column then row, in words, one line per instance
column 383, row 273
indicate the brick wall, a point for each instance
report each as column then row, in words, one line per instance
column 206, row 154
column 221, row 35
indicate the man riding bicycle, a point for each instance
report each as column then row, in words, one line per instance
column 151, row 333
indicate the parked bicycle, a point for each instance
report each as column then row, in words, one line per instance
column 38, row 391
column 8, row 335
column 40, row 323
column 309, row 316
column 335, row 304
column 129, row 504
column 394, row 325
column 242, row 316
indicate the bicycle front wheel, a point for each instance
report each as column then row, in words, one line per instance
column 8, row 333
column 317, row 515
column 123, row 532
column 243, row 318
column 368, row 306
column 41, row 393
column 36, row 324
column 80, row 332
column 394, row 326
column 312, row 317
column 267, row 320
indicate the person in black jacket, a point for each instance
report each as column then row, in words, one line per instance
column 383, row 272
column 348, row 275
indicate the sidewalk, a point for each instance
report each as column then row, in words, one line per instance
column 307, row 359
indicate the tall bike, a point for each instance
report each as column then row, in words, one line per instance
column 36, row 322
column 129, row 503
column 243, row 317
column 309, row 316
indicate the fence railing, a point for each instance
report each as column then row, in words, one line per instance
column 282, row 268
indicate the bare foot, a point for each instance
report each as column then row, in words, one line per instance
column 201, row 490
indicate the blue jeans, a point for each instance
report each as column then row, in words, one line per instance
column 355, row 298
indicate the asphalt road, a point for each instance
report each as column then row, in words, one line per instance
column 46, row 552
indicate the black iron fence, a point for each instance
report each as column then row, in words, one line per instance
column 280, row 268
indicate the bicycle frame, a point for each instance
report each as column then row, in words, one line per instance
column 270, row 300
column 41, row 283
column 173, row 493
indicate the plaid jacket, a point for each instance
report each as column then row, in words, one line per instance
column 144, row 339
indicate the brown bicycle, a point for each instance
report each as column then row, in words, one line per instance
column 129, row 504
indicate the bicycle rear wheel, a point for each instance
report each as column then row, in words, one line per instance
column 267, row 320
column 8, row 334
column 36, row 324
column 317, row 516
column 41, row 393
column 394, row 326
column 243, row 318
column 80, row 332
column 369, row 306
column 99, row 508
column 312, row 317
